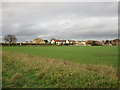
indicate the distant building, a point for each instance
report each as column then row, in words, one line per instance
column 116, row 42
column 58, row 42
column 70, row 42
column 94, row 43
column 100, row 43
column 80, row 43
column 38, row 41
column 62, row 42
column 54, row 41
column 89, row 42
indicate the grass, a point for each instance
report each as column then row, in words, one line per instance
column 22, row 70
column 104, row 55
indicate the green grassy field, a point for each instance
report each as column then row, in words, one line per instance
column 60, row 67
column 82, row 54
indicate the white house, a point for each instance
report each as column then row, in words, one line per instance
column 81, row 43
column 58, row 43
column 52, row 41
column 67, row 42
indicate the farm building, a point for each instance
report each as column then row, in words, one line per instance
column 38, row 41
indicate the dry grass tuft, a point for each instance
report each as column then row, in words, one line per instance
column 40, row 74
column 16, row 76
column 102, row 69
column 5, row 69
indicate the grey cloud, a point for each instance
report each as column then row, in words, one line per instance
column 60, row 20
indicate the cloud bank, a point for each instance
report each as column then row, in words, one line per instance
column 70, row 20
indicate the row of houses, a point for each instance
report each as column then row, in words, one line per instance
column 71, row 42
column 85, row 43
column 57, row 42
column 62, row 42
column 77, row 43
column 54, row 41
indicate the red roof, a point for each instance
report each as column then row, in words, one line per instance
column 56, row 40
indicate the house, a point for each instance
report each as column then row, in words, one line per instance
column 67, row 42
column 77, row 41
column 70, row 42
column 91, row 43
column 38, row 41
column 54, row 41
column 100, row 43
column 81, row 43
column 95, row 43
column 116, row 42
column 63, row 42
column 57, row 42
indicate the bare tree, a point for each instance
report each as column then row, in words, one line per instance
column 10, row 39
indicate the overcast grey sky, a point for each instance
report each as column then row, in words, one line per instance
column 62, row 20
